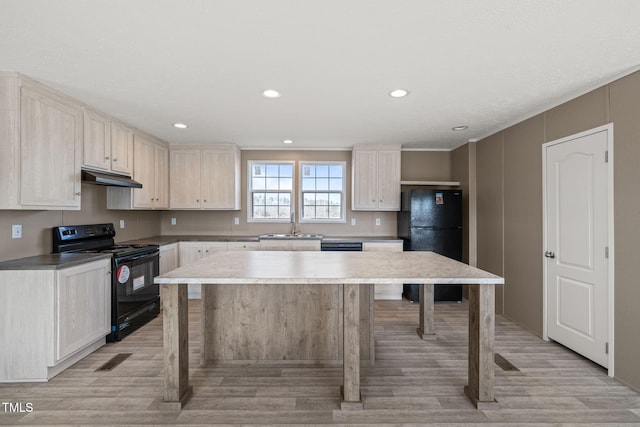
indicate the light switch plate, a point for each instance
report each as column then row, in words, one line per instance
column 16, row 231
column 173, row 221
column 236, row 220
column 353, row 221
column 122, row 223
column 377, row 221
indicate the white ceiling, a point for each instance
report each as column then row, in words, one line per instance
column 485, row 64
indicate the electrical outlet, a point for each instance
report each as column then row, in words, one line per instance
column 236, row 220
column 377, row 221
column 16, row 231
column 173, row 221
column 353, row 221
column 122, row 223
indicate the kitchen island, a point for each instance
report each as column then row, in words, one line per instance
column 349, row 273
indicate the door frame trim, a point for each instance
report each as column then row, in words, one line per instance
column 610, row 235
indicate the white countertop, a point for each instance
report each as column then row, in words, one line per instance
column 300, row 267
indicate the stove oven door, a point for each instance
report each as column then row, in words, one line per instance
column 136, row 299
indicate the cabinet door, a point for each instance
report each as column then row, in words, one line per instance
column 97, row 141
column 244, row 246
column 190, row 252
column 51, row 150
column 389, row 180
column 275, row 245
column 364, row 192
column 219, row 183
column 305, row 245
column 83, row 306
column 143, row 172
column 210, row 247
column 168, row 258
column 121, row 148
column 185, row 179
column 161, row 177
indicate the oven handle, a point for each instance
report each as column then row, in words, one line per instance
column 133, row 258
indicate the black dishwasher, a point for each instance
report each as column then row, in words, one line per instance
column 341, row 246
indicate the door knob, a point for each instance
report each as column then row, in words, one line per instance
column 549, row 254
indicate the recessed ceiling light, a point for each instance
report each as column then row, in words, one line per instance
column 459, row 128
column 270, row 93
column 180, row 125
column 398, row 93
column 287, row 141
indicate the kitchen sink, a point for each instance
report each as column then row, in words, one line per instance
column 291, row 236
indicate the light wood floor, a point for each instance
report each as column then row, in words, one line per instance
column 413, row 382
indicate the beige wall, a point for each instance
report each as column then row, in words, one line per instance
column 509, row 211
column 36, row 225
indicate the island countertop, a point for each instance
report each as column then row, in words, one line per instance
column 293, row 267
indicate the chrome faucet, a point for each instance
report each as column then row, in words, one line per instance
column 294, row 230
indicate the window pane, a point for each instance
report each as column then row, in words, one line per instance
column 271, row 212
column 322, row 212
column 284, row 199
column 284, row 212
column 308, row 171
column 258, row 184
column 322, row 171
column 308, row 184
column 286, row 184
column 272, row 199
column 308, row 199
column 258, row 199
column 309, row 212
column 272, row 184
column 272, row 170
column 335, row 212
column 322, row 199
column 322, row 184
column 286, row 171
column 335, row 171
column 258, row 170
column 258, row 211
column 335, row 184
column 335, row 199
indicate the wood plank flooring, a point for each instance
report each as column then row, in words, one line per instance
column 413, row 382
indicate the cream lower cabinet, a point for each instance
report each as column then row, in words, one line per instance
column 169, row 257
column 290, row 245
column 190, row 252
column 385, row 291
column 51, row 319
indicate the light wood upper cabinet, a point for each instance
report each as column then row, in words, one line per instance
column 205, row 177
column 97, row 140
column 50, row 150
column 376, row 178
column 121, row 149
column 151, row 169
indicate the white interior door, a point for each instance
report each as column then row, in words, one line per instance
column 577, row 207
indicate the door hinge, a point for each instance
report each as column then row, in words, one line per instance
column 606, row 156
column 606, row 252
column 606, row 348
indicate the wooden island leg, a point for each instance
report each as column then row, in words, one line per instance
column 351, row 348
column 480, row 388
column 426, row 330
column 177, row 390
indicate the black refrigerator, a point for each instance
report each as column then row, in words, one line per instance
column 431, row 220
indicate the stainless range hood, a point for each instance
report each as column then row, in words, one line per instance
column 112, row 180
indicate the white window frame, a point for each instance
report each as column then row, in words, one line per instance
column 343, row 214
column 250, row 190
